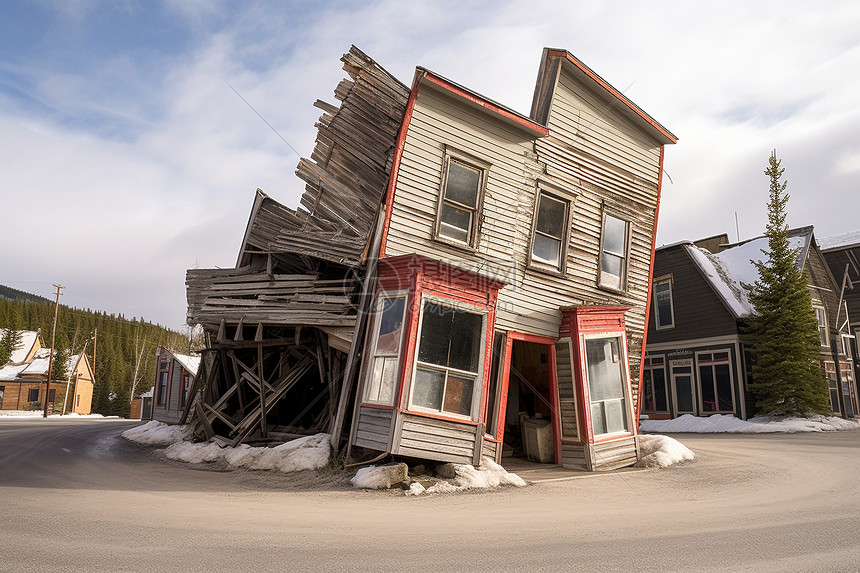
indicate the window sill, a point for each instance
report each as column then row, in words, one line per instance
column 455, row 244
column 545, row 269
column 612, row 289
column 441, row 416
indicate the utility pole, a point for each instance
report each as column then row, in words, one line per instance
column 51, row 358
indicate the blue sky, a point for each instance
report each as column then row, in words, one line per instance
column 127, row 158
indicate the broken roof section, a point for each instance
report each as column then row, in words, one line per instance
column 730, row 269
column 293, row 264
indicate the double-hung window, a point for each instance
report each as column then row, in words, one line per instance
column 664, row 313
column 607, row 380
column 448, row 366
column 460, row 202
column 161, row 390
column 549, row 240
column 655, row 395
column 388, row 333
column 614, row 246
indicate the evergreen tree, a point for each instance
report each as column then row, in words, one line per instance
column 787, row 377
column 9, row 343
column 59, row 368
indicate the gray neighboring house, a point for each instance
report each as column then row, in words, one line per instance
column 175, row 375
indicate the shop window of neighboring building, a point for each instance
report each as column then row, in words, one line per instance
column 715, row 380
column 655, row 391
column 460, row 201
column 821, row 315
column 830, row 371
column 448, row 364
column 52, row 395
column 549, row 238
column 664, row 312
column 387, row 339
column 605, row 365
column 161, row 387
column 33, row 395
column 614, row 243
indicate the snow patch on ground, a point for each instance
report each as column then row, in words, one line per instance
column 308, row 453
column 662, row 451
column 489, row 475
column 155, row 433
column 726, row 423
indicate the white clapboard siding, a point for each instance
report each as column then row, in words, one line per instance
column 432, row 439
column 373, row 428
column 613, row 455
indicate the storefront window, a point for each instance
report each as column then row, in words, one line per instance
column 386, row 351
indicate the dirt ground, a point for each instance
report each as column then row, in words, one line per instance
column 75, row 497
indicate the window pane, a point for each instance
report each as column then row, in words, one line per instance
column 462, row 184
column 648, row 392
column 390, row 325
column 610, row 270
column 458, row 395
column 546, row 250
column 427, row 389
column 381, row 386
column 724, row 387
column 660, row 402
column 605, row 380
column 616, row 418
column 551, row 217
column 450, row 338
column 684, row 388
column 663, row 296
column 614, row 236
column 598, row 420
column 709, row 399
column 455, row 223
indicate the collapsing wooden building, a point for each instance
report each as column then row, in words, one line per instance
column 463, row 281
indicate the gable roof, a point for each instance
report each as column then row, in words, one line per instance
column 190, row 363
column 554, row 60
column 29, row 338
column 730, row 269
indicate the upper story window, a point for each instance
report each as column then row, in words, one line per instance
column 447, row 371
column 460, row 201
column 161, row 389
column 664, row 313
column 549, row 238
column 821, row 315
column 388, row 333
column 614, row 248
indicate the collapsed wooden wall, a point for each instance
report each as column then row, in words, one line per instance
column 280, row 325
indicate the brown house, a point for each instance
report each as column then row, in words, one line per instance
column 24, row 386
column 479, row 282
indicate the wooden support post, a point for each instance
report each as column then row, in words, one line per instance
column 238, row 379
column 239, row 336
column 222, row 332
column 264, row 429
column 258, row 337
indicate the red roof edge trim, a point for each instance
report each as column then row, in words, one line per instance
column 483, row 102
column 615, row 93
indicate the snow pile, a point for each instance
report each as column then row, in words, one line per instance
column 155, row 433
column 310, row 452
column 489, row 475
column 662, row 451
column 726, row 423
column 380, row 477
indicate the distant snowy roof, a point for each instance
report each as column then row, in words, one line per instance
column 37, row 366
column 840, row 241
column 11, row 372
column 28, row 339
column 729, row 270
column 190, row 363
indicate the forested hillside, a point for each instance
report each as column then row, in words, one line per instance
column 123, row 346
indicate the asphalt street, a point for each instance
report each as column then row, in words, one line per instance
column 74, row 496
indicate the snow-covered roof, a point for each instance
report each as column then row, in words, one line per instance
column 11, row 372
column 840, row 241
column 28, row 339
column 190, row 363
column 37, row 366
column 732, row 268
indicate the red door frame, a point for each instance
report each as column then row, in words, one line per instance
column 548, row 341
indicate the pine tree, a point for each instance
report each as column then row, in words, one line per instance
column 10, row 341
column 787, row 377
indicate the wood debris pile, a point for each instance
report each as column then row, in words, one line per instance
column 280, row 325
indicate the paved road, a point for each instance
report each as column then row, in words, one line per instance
column 75, row 497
